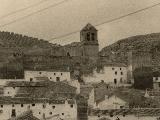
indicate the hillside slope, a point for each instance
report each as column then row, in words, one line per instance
column 117, row 52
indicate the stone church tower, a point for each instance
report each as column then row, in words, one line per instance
column 89, row 41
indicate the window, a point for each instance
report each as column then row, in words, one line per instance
column 33, row 104
column 54, row 73
column 71, row 106
column 61, row 73
column 115, row 81
column 31, row 79
column 121, row 107
column 68, row 54
column 39, row 112
column 88, row 36
column 13, row 87
column 13, row 105
column 50, row 77
column 112, row 68
column 8, row 92
column 1, row 106
column 53, row 107
column 13, row 113
column 44, row 106
column 21, row 105
column 40, row 72
column 121, row 73
column 121, row 80
column 93, row 36
column 156, row 78
column 57, row 79
column 120, row 68
column 116, row 73
column 50, row 113
column 62, row 113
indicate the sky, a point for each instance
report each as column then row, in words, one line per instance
column 72, row 15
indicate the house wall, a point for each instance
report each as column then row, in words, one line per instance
column 10, row 91
column 108, row 74
column 112, row 102
column 38, row 110
column 156, row 83
column 52, row 76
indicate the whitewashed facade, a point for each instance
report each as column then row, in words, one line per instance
column 52, row 76
column 111, row 102
column 63, row 110
column 109, row 74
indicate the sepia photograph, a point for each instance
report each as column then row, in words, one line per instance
column 79, row 60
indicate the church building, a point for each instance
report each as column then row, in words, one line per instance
column 88, row 45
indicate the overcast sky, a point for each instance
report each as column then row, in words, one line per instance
column 72, row 15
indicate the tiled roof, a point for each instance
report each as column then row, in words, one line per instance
column 115, row 64
column 138, row 112
column 49, row 90
column 88, row 27
column 24, row 84
column 27, row 100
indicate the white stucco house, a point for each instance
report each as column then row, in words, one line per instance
column 12, row 107
column 114, row 74
column 47, row 75
column 100, row 96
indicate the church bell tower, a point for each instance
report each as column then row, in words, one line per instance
column 89, row 41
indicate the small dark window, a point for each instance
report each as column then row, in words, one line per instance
column 115, row 81
column 121, row 73
column 54, row 73
column 68, row 54
column 57, row 79
column 44, row 106
column 33, row 104
column 13, row 87
column 39, row 112
column 8, row 92
column 61, row 73
column 112, row 68
column 53, row 107
column 1, row 106
column 116, row 73
column 13, row 113
column 21, row 105
column 50, row 77
column 62, row 113
column 120, row 68
column 121, row 107
column 156, row 78
column 31, row 79
column 121, row 80
column 111, row 115
column 71, row 106
column 13, row 105
column 50, row 113
column 40, row 72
